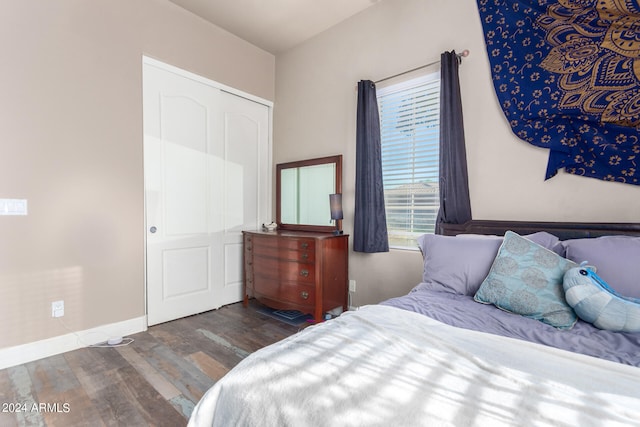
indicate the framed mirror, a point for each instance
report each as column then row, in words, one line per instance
column 302, row 193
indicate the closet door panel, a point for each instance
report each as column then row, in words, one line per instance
column 247, row 188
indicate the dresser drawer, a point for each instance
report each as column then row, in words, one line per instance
column 285, row 291
column 280, row 270
column 284, row 254
column 247, row 260
column 296, row 243
column 292, row 244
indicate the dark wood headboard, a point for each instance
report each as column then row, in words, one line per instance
column 564, row 230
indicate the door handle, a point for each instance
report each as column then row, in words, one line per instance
column 153, row 229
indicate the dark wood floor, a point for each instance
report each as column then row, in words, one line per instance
column 156, row 380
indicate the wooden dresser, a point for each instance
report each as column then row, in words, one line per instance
column 296, row 270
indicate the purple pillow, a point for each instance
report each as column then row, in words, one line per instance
column 459, row 264
column 616, row 258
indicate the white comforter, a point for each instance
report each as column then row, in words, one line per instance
column 383, row 366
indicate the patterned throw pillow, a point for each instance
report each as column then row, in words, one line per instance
column 526, row 279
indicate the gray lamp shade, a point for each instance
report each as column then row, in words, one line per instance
column 335, row 204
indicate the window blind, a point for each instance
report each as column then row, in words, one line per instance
column 410, row 138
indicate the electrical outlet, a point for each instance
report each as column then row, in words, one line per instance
column 352, row 285
column 57, row 309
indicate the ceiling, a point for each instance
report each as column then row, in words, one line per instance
column 275, row 25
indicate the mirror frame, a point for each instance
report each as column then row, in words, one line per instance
column 337, row 160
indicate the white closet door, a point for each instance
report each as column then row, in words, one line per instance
column 205, row 166
column 246, row 188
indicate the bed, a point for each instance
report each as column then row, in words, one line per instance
column 446, row 355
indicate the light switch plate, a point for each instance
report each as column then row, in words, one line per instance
column 13, row 206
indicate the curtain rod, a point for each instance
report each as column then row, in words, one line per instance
column 461, row 55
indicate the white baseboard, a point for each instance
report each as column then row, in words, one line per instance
column 12, row 356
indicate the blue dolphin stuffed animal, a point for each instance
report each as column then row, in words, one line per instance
column 595, row 302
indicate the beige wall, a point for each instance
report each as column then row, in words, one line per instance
column 71, row 143
column 315, row 115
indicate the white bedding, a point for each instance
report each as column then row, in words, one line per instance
column 384, row 366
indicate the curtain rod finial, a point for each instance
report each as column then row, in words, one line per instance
column 465, row 53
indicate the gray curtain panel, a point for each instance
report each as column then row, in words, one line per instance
column 370, row 223
column 455, row 205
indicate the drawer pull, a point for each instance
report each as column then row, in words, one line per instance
column 304, row 294
column 305, row 255
column 304, row 273
column 304, row 245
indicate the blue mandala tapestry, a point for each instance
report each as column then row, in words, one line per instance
column 567, row 75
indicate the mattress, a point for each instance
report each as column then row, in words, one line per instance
column 383, row 365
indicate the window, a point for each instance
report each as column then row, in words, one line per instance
column 410, row 136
